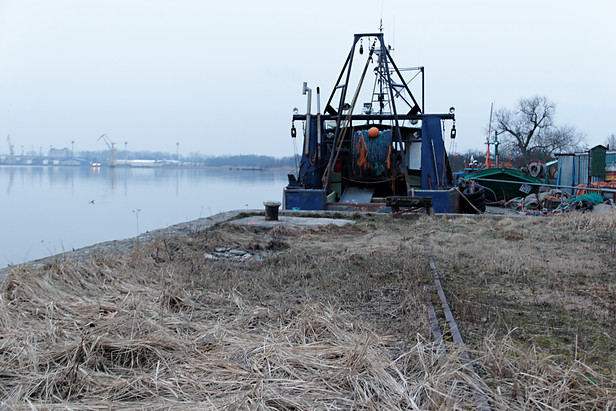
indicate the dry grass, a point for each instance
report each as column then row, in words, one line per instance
column 552, row 280
column 329, row 317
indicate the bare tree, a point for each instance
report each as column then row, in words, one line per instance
column 610, row 141
column 563, row 139
column 531, row 130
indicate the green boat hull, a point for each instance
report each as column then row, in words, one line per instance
column 505, row 183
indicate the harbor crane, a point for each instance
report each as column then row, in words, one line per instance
column 112, row 149
column 11, row 158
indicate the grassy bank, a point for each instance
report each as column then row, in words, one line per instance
column 330, row 317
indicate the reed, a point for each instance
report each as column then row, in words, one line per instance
column 330, row 317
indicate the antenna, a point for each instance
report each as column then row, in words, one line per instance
column 393, row 41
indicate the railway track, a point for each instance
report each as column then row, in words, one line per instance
column 440, row 313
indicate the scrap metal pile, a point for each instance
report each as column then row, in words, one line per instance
column 556, row 201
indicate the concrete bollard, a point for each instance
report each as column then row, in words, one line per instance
column 271, row 210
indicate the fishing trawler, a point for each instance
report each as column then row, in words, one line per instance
column 379, row 155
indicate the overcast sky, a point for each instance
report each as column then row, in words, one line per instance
column 222, row 77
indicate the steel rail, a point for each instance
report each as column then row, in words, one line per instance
column 479, row 389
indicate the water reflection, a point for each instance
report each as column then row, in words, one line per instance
column 58, row 208
column 11, row 181
column 112, row 172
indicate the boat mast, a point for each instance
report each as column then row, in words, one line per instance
column 488, row 138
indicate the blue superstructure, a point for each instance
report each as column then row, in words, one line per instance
column 363, row 157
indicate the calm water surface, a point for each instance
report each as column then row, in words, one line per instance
column 48, row 210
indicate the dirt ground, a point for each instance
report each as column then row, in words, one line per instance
column 247, row 317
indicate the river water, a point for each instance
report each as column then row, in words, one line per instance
column 49, row 210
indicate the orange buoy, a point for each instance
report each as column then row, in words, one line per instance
column 373, row 132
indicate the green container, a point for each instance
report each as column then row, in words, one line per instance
column 596, row 167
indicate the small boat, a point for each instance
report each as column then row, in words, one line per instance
column 499, row 178
column 504, row 183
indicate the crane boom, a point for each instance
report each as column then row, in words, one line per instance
column 106, row 140
column 112, row 149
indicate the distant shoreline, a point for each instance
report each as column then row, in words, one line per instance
column 223, row 168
